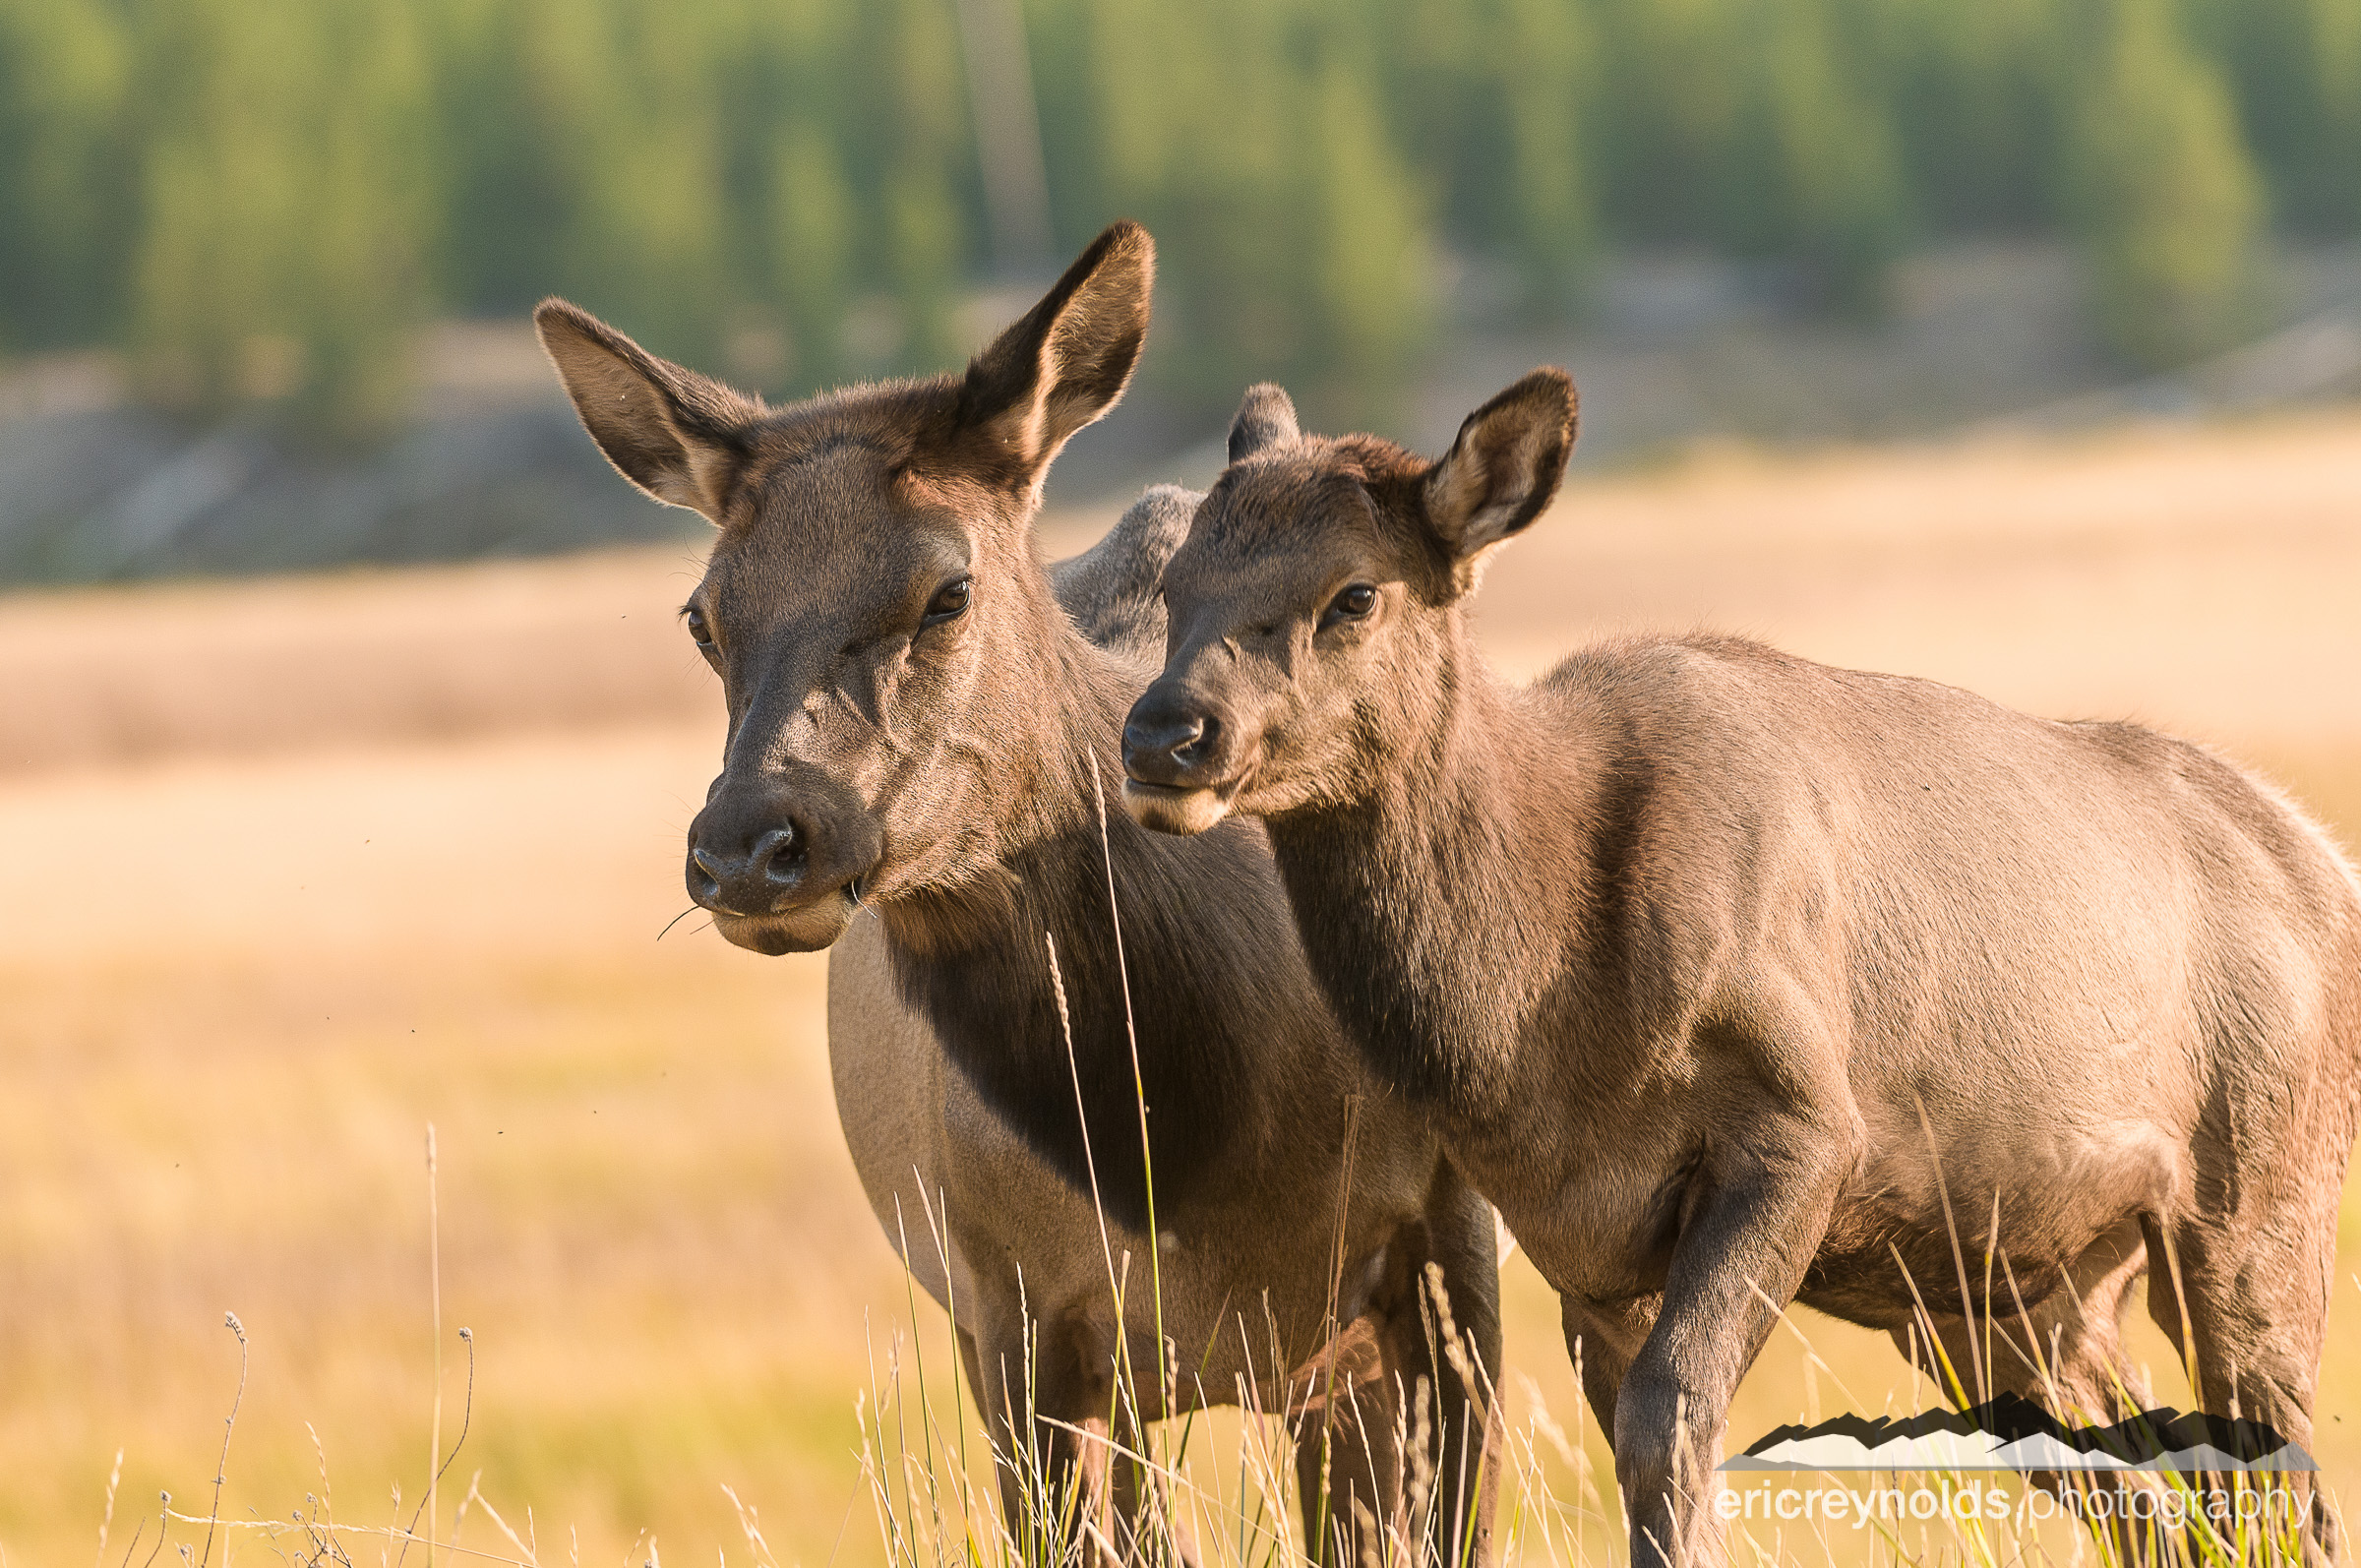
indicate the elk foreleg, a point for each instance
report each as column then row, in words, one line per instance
column 1740, row 1258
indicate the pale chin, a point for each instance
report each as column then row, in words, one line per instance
column 803, row 931
column 1174, row 810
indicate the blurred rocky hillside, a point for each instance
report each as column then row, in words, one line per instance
column 1677, row 349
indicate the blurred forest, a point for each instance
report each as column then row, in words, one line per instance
column 264, row 200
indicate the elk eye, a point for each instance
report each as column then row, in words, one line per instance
column 699, row 632
column 950, row 603
column 1351, row 604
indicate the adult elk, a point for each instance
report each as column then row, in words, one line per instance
column 916, row 729
column 1736, row 980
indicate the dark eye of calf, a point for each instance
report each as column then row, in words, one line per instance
column 949, row 603
column 699, row 632
column 1351, row 604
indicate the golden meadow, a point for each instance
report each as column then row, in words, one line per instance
column 290, row 869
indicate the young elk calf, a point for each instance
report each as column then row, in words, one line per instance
column 916, row 725
column 1732, row 977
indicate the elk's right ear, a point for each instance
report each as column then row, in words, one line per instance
column 1266, row 416
column 675, row 434
column 1062, row 365
column 1503, row 469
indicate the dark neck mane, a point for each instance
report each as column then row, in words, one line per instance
column 1216, row 987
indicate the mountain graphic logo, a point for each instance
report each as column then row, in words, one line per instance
column 2012, row 1433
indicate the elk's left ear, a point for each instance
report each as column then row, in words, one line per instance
column 1063, row 365
column 1503, row 469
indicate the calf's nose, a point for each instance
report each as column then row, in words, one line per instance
column 745, row 875
column 1168, row 740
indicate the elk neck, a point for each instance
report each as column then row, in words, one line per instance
column 1445, row 894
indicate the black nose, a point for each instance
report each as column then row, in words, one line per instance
column 746, row 878
column 1168, row 739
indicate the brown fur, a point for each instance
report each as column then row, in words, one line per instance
column 1736, row 980
column 920, row 782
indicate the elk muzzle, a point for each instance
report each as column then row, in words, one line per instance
column 779, row 864
column 1180, row 760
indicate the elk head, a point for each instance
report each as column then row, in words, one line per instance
column 873, row 598
column 1309, row 609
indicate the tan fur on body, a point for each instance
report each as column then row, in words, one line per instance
column 1738, row 979
column 915, row 707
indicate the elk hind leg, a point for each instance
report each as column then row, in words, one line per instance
column 2246, row 1303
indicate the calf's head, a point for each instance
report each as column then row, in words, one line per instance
column 1310, row 607
column 872, row 600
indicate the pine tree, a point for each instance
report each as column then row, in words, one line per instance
column 1832, row 155
column 2295, row 69
column 811, row 251
column 65, row 146
column 286, row 206
column 1367, row 296
column 1488, row 113
column 1972, row 96
column 907, row 153
column 2160, row 187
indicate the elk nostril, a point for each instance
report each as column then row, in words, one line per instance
column 1198, row 745
column 705, row 877
column 779, row 854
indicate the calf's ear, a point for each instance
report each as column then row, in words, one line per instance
column 1266, row 417
column 1062, row 366
column 1502, row 471
column 675, row 434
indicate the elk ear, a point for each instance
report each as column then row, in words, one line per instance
column 670, row 431
column 1062, row 366
column 1266, row 416
column 1503, row 468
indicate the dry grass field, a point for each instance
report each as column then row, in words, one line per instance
column 289, row 870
